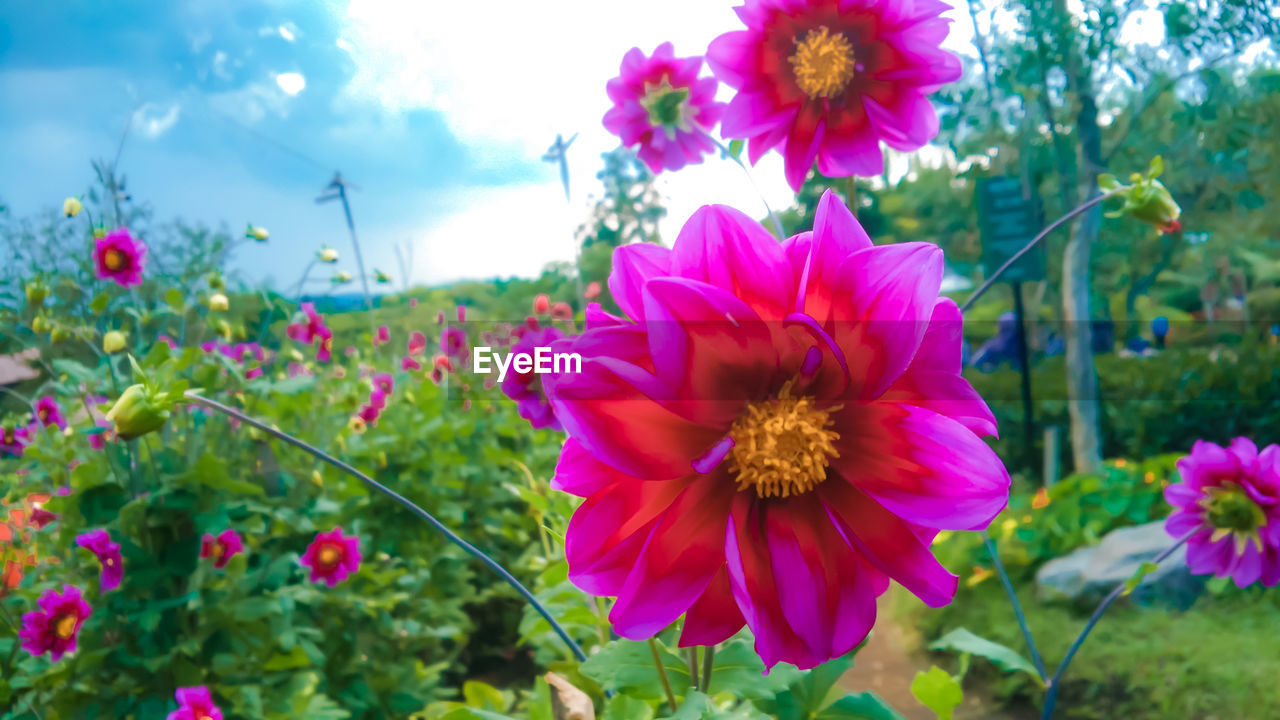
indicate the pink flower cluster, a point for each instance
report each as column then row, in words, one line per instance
column 312, row 330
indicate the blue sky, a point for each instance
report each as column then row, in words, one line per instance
column 439, row 111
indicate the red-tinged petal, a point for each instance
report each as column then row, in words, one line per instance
column 906, row 120
column 924, row 467
column 885, row 297
column 754, row 113
column 608, row 531
column 709, row 347
column 715, row 616
column 761, row 144
column 733, row 58
column 836, row 236
column 723, row 247
column 611, row 404
column 802, row 145
column 579, row 473
column 754, row 588
column 633, row 266
column 684, row 552
column 823, row 591
column 888, row 543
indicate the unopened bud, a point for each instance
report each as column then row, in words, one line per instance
column 71, row 207
column 218, row 301
column 37, row 291
column 139, row 410
column 113, row 342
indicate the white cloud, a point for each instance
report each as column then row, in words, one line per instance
column 152, row 120
column 291, row 82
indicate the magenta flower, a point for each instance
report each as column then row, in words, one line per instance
column 462, row 313
column 526, row 388
column 830, row 79
column 312, row 329
column 14, row 440
column 417, row 343
column 1229, row 498
column 194, row 703
column 98, row 440
column 221, row 548
column 253, row 373
column 41, row 517
column 99, row 543
column 453, row 342
column 120, row 258
column 384, row 382
column 770, row 435
column 332, row 556
column 48, row 413
column 382, row 336
column 54, row 627
column 661, row 105
column 408, row 363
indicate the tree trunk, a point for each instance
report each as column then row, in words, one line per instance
column 1082, row 376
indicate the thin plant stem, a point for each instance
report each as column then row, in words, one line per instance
column 1017, row 607
column 691, row 657
column 408, row 505
column 662, row 675
column 708, row 662
column 773, row 217
column 852, row 198
column 1051, row 699
column 986, row 285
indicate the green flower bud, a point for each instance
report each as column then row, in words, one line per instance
column 37, row 291
column 1145, row 199
column 41, row 324
column 139, row 410
column 72, row 206
column 113, row 342
column 218, row 301
column 255, row 232
column 59, row 334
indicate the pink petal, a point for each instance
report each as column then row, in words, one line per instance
column 715, row 616
column 633, row 265
column 723, row 247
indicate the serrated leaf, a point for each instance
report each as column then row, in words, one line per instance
column 626, row 665
column 1135, row 580
column 1007, row 659
column 938, row 691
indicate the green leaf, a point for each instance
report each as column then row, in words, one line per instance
column 861, row 706
column 628, row 665
column 173, row 297
column 963, row 641
column 695, row 706
column 296, row 658
column 483, row 696
column 625, row 707
column 738, row 669
column 938, row 691
column 156, row 356
column 74, row 370
column 735, row 147
column 1156, row 168
column 1108, row 182
column 99, row 303
column 1135, row 580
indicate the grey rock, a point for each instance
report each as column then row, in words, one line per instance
column 1089, row 573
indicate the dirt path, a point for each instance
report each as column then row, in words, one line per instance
column 887, row 665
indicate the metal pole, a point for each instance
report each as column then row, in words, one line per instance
column 351, row 226
column 1027, row 421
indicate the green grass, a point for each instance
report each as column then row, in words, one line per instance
column 1219, row 660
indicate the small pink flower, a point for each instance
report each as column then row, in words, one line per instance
column 439, row 317
column 98, row 440
column 382, row 336
column 417, row 343
column 409, row 363
column 453, row 341
column 462, row 313
column 437, row 376
column 661, row 105
column 48, row 413
column 413, row 302
column 194, row 703
column 167, row 341
column 253, row 373
column 221, row 548
column 562, row 311
column 55, row 626
column 41, row 517
column 99, row 543
column 443, row 363
column 526, row 388
column 1227, row 500
column 120, row 258
column 593, row 291
column 14, row 440
column 542, row 305
column 384, row 382
column 332, row 557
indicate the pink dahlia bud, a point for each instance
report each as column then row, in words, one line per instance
column 593, row 291
column 541, row 305
column 562, row 311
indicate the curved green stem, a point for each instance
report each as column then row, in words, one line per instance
column 662, row 674
column 773, row 217
column 1017, row 607
column 431, row 520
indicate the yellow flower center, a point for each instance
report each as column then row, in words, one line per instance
column 65, row 627
column 44, row 415
column 218, row 551
column 782, row 446
column 113, row 259
column 823, row 63
column 328, row 556
column 110, row 562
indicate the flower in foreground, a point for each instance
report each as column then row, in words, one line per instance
column 194, row 703
column 332, row 556
column 661, row 105
column 221, row 548
column 829, row 79
column 54, row 627
column 99, row 543
column 120, row 258
column 770, row 435
column 141, row 409
column 526, row 388
column 48, row 413
column 1229, row 499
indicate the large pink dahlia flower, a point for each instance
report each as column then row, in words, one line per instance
column 119, row 257
column 55, row 626
column 770, row 435
column 660, row 104
column 1229, row 498
column 830, row 79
